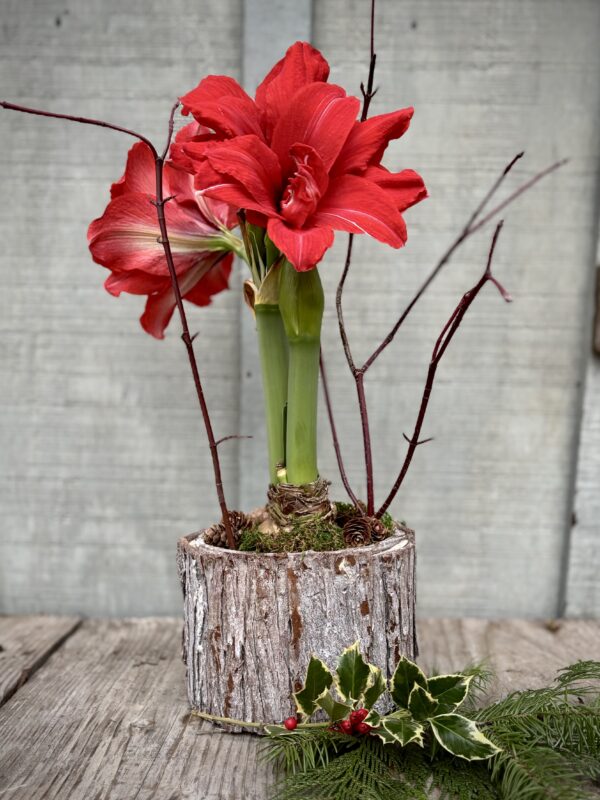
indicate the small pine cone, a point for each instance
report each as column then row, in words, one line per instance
column 217, row 536
column 345, row 512
column 378, row 530
column 239, row 521
column 213, row 535
column 357, row 532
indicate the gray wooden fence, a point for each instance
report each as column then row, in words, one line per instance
column 104, row 460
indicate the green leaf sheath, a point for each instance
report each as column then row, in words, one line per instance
column 273, row 348
column 301, row 434
column 301, row 303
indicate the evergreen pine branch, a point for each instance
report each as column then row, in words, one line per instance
column 539, row 773
column 302, row 751
column 550, row 740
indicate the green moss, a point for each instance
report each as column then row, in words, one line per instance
column 296, row 538
column 302, row 535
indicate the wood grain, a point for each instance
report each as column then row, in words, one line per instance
column 582, row 587
column 281, row 608
column 106, row 717
column 26, row 642
column 492, row 494
column 104, row 455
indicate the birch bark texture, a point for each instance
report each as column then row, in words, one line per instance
column 252, row 621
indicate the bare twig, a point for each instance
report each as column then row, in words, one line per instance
column 232, row 436
column 471, row 227
column 357, row 374
column 334, row 436
column 159, row 204
column 83, row 120
column 187, row 339
column 441, row 345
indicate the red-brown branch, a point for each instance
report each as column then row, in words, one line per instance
column 334, row 436
column 440, row 348
column 472, row 226
column 187, row 338
column 357, row 374
column 159, row 204
column 83, row 120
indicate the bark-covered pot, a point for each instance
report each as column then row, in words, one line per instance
column 252, row 620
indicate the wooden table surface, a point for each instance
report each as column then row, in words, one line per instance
column 96, row 709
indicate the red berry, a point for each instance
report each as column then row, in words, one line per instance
column 346, row 726
column 363, row 728
column 359, row 715
column 291, row 723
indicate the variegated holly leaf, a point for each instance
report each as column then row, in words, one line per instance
column 318, row 678
column 421, row 704
column 449, row 690
column 334, row 710
column 373, row 718
column 461, row 737
column 375, row 687
column 402, row 728
column 352, row 674
column 406, row 675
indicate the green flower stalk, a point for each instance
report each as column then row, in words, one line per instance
column 262, row 295
column 301, row 303
column 273, row 349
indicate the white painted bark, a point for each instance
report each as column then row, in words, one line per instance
column 253, row 620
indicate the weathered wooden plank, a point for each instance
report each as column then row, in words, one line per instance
column 522, row 653
column 102, row 442
column 492, row 493
column 26, row 642
column 582, row 586
column 98, row 422
column 107, row 717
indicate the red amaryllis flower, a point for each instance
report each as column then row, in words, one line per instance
column 126, row 240
column 297, row 159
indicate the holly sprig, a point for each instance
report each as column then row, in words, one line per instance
column 424, row 710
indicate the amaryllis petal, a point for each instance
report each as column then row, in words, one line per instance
column 321, row 115
column 306, row 187
column 127, row 236
column 367, row 141
column 301, row 65
column 194, row 132
column 303, row 247
column 403, row 188
column 241, row 168
column 220, row 103
column 133, row 281
column 356, row 205
column 198, row 283
column 139, row 173
column 216, row 280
